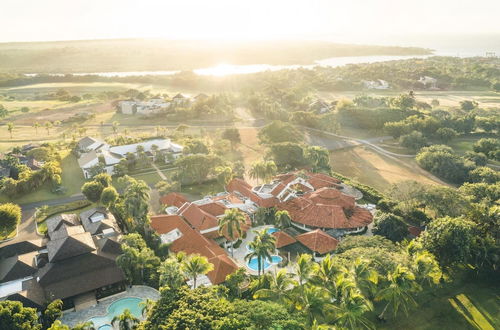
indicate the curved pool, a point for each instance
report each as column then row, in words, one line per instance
column 272, row 230
column 116, row 308
column 254, row 265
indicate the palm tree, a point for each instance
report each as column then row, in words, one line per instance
column 304, row 268
column 270, row 170
column 126, row 320
column 349, row 313
column 314, row 303
column 147, row 306
column 84, row 326
column 426, row 269
column 115, row 126
column 10, row 128
column 366, row 278
column 262, row 246
column 231, row 222
column 399, row 292
column 36, row 126
column 282, row 219
column 136, row 199
column 256, row 171
column 196, row 265
column 324, row 272
column 280, row 288
column 48, row 126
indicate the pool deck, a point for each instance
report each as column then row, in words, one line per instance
column 72, row 318
column 242, row 251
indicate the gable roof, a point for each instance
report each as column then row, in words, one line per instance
column 318, row 241
column 283, row 239
column 179, row 96
column 87, row 158
column 174, row 199
column 192, row 242
column 98, row 226
column 73, row 276
column 109, row 245
column 21, row 248
column 65, row 230
column 17, row 267
column 223, row 266
column 198, row 218
column 70, row 246
column 87, row 141
column 55, row 222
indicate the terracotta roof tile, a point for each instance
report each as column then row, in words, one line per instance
column 198, row 218
column 192, row 242
column 318, row 241
column 173, row 199
column 283, row 239
column 242, row 187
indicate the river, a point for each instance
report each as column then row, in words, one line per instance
column 225, row 69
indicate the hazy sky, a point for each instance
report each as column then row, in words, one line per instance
column 35, row 20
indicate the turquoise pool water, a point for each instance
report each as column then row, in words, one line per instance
column 272, row 230
column 115, row 309
column 254, row 265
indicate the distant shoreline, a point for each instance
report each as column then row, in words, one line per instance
column 76, row 57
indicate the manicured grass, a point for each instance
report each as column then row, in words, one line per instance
column 80, row 205
column 469, row 305
column 201, row 190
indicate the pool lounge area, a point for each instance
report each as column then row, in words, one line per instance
column 102, row 313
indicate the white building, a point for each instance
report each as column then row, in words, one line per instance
column 152, row 106
column 110, row 156
column 376, row 84
column 428, row 82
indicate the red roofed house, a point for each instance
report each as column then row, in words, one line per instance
column 173, row 199
column 326, row 209
column 181, row 237
column 318, row 241
column 283, row 239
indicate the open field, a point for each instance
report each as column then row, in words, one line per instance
column 373, row 169
column 446, row 98
column 471, row 305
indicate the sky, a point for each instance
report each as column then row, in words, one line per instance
column 344, row 20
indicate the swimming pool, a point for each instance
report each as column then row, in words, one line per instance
column 116, row 308
column 272, row 230
column 254, row 265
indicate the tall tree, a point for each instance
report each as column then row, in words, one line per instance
column 196, row 265
column 126, row 320
column 10, row 128
column 399, row 292
column 261, row 248
column 231, row 222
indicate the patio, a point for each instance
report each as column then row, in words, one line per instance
column 72, row 318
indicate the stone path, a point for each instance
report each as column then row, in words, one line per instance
column 160, row 173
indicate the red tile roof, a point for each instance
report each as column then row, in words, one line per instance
column 192, row 242
column 198, row 218
column 330, row 196
column 318, row 241
column 332, row 215
column 173, row 199
column 242, row 187
column 283, row 239
column 223, row 266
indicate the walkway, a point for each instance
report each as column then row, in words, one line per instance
column 160, row 173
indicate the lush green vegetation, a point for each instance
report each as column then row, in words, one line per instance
column 10, row 216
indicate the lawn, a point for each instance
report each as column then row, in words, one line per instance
column 80, row 206
column 469, row 305
column 72, row 181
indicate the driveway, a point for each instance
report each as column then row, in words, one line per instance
column 27, row 227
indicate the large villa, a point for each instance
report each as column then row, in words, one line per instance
column 92, row 152
column 321, row 214
column 75, row 262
